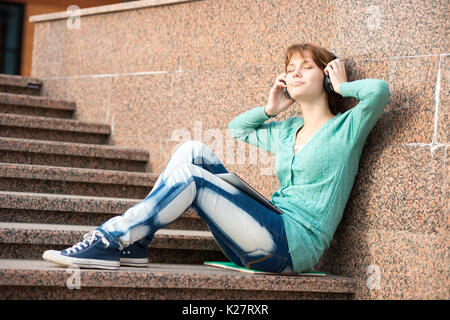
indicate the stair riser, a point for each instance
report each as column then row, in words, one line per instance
column 188, row 221
column 68, row 238
column 20, row 90
column 34, row 111
column 31, row 243
column 71, row 161
column 156, row 255
column 53, row 135
column 75, row 188
column 93, row 293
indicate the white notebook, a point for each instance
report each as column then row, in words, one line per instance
column 238, row 182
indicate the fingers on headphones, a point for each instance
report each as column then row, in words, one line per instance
column 280, row 81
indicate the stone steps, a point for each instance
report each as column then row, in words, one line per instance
column 70, row 154
column 25, row 104
column 53, row 129
column 60, row 179
column 75, row 181
column 20, row 85
column 27, row 279
column 45, row 208
column 30, row 240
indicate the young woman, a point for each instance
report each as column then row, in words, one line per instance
column 315, row 181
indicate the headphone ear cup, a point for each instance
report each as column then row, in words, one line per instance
column 326, row 80
column 327, row 84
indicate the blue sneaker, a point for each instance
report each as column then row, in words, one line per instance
column 135, row 255
column 93, row 252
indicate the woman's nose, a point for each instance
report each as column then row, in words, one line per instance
column 297, row 73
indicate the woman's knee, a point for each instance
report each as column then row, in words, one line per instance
column 197, row 152
column 187, row 151
column 191, row 146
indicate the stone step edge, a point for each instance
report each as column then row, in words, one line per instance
column 18, row 272
column 54, row 124
column 35, row 101
column 73, row 149
column 71, row 203
column 68, row 235
column 86, row 175
column 18, row 80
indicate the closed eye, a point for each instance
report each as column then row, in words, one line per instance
column 305, row 68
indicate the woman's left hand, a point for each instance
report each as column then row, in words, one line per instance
column 335, row 69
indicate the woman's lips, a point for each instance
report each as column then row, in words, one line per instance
column 297, row 83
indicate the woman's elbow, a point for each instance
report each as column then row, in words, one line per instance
column 383, row 88
column 382, row 91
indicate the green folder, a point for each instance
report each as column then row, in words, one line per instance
column 233, row 266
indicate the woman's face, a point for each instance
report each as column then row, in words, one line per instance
column 303, row 77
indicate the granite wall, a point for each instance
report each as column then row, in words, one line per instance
column 162, row 72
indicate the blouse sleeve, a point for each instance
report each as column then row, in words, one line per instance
column 250, row 128
column 374, row 96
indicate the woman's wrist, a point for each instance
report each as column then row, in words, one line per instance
column 268, row 113
column 339, row 84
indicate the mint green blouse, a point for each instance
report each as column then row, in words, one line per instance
column 317, row 180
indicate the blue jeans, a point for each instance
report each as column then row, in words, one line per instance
column 248, row 233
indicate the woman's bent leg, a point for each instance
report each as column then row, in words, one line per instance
column 248, row 230
column 191, row 151
column 250, row 234
column 194, row 152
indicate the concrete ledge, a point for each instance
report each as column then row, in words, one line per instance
column 32, row 178
column 106, row 9
column 78, row 149
column 20, row 273
column 11, row 121
column 35, row 101
column 18, row 81
column 83, row 175
column 81, row 155
column 66, row 235
column 33, row 207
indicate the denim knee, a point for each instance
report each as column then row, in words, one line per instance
column 191, row 147
column 200, row 154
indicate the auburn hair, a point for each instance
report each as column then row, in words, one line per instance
column 321, row 57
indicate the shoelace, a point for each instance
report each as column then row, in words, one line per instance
column 88, row 238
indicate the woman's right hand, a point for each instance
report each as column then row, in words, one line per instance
column 277, row 100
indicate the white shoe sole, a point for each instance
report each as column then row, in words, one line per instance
column 56, row 257
column 134, row 262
